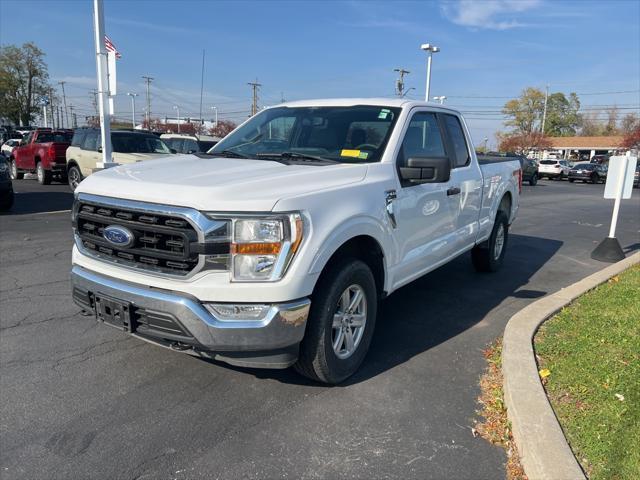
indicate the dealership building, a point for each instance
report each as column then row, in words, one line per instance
column 581, row 148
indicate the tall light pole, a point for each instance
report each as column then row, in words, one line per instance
column 177, row 108
column 486, row 141
column 440, row 99
column 215, row 109
column 430, row 49
column 64, row 102
column 544, row 114
column 133, row 109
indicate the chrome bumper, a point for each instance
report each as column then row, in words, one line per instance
column 283, row 326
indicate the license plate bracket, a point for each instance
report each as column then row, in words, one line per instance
column 114, row 312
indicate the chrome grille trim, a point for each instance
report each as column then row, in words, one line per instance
column 182, row 221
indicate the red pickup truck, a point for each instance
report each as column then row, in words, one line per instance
column 42, row 151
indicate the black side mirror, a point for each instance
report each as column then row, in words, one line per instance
column 100, row 149
column 426, row 170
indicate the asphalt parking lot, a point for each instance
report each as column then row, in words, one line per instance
column 81, row 400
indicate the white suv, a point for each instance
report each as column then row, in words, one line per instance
column 128, row 147
column 553, row 169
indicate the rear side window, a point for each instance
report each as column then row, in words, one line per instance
column 78, row 138
column 90, row 141
column 458, row 140
column 423, row 138
column 548, row 162
column 190, row 145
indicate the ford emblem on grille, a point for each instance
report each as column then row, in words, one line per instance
column 118, row 236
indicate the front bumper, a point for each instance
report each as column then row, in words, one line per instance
column 181, row 322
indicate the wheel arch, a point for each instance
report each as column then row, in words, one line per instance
column 363, row 247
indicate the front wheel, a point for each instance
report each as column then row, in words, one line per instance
column 488, row 256
column 15, row 175
column 533, row 181
column 340, row 324
column 74, row 177
column 571, row 180
column 44, row 176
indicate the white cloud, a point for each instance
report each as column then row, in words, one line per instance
column 488, row 14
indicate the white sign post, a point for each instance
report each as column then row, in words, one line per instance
column 619, row 186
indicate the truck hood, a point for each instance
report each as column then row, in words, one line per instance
column 218, row 184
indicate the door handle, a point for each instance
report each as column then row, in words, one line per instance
column 453, row 191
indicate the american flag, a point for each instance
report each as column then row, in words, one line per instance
column 111, row 47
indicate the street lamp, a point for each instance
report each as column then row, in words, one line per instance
column 440, row 99
column 427, row 47
column 133, row 109
column 215, row 109
column 486, row 140
column 177, row 108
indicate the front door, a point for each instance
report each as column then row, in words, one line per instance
column 425, row 231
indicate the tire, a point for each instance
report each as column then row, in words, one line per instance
column 571, row 180
column 74, row 177
column 486, row 257
column 15, row 174
column 44, row 176
column 319, row 359
column 533, row 181
column 595, row 178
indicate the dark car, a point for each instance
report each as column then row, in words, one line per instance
column 6, row 187
column 600, row 159
column 588, row 172
column 529, row 170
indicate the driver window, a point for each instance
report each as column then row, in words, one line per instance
column 422, row 139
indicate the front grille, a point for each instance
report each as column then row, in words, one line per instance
column 161, row 243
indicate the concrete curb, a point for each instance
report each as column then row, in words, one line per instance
column 544, row 451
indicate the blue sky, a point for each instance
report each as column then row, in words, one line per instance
column 303, row 49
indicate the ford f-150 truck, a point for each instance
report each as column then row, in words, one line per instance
column 42, row 151
column 274, row 249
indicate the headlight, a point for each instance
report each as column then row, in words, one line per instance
column 262, row 248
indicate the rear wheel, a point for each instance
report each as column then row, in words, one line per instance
column 595, row 178
column 488, row 257
column 74, row 177
column 341, row 323
column 44, row 176
column 15, row 175
column 533, row 181
column 572, row 180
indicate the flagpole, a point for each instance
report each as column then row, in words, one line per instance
column 101, row 68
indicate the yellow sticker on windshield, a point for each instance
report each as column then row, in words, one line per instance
column 350, row 153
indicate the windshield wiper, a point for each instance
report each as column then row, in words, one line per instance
column 295, row 156
column 229, row 154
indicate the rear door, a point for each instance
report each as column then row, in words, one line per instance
column 24, row 152
column 425, row 220
column 465, row 192
column 89, row 154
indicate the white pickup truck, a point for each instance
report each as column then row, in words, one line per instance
column 274, row 249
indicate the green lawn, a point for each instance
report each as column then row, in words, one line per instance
column 592, row 349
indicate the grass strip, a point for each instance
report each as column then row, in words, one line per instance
column 589, row 356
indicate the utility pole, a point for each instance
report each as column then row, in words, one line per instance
column 544, row 113
column 64, row 102
column 254, row 105
column 282, row 99
column 148, row 80
column 133, row 109
column 201, row 91
column 53, row 119
column 400, row 81
column 177, row 108
column 73, row 116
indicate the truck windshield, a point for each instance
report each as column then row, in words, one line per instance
column 354, row 134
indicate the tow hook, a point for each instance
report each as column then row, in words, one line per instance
column 180, row 347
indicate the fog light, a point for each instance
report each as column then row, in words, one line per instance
column 238, row 312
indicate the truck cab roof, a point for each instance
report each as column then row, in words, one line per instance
column 376, row 101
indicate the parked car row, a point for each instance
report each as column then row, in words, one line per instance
column 72, row 155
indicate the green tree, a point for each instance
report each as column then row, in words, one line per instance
column 23, row 81
column 525, row 112
column 563, row 118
